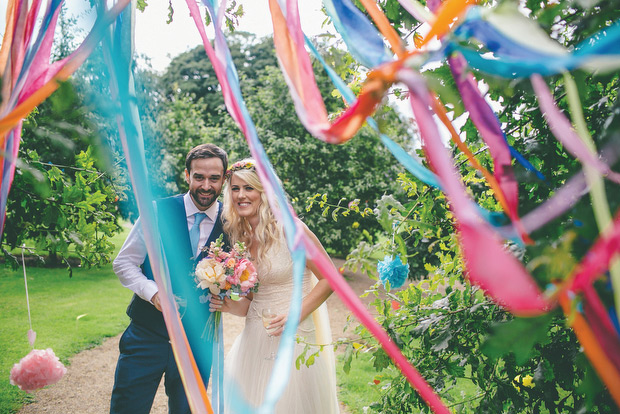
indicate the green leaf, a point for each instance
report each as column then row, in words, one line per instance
column 50, row 216
column 441, row 81
column 385, row 211
column 518, row 336
column 348, row 357
column 301, row 358
column 381, row 360
column 441, row 341
column 96, row 198
column 54, row 174
column 141, row 5
column 310, row 360
column 72, row 194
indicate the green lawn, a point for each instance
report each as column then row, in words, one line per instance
column 56, row 302
column 356, row 389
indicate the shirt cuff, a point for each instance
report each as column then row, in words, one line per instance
column 150, row 289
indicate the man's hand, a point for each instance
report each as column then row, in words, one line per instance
column 155, row 301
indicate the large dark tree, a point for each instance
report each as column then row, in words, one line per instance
column 360, row 168
column 192, row 74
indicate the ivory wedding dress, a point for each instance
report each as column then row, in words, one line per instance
column 311, row 389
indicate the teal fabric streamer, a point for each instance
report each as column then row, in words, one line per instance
column 118, row 53
column 217, row 373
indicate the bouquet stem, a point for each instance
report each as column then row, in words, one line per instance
column 211, row 331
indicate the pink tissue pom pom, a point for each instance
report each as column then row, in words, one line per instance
column 37, row 369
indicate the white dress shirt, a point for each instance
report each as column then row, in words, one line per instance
column 133, row 253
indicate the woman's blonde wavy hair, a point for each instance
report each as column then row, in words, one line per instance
column 267, row 233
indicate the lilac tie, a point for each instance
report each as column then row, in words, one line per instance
column 194, row 233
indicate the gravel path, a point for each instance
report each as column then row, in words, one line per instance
column 87, row 386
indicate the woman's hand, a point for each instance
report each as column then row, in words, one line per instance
column 216, row 304
column 238, row 307
column 277, row 324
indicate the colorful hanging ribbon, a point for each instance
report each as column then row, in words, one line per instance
column 118, row 52
column 491, row 132
column 514, row 58
column 564, row 132
column 227, row 76
column 28, row 77
column 359, row 44
column 362, row 39
column 485, row 256
column 324, row 264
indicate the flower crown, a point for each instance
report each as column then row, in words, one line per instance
column 240, row 165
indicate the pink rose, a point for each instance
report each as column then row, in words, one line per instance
column 245, row 272
column 233, row 279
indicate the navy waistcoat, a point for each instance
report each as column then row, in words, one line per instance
column 172, row 221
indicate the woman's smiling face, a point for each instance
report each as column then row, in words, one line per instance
column 246, row 199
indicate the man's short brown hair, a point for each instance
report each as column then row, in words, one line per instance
column 206, row 151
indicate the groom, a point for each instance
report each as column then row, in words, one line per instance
column 187, row 222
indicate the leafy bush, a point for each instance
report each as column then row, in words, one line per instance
column 475, row 355
column 65, row 211
column 63, row 203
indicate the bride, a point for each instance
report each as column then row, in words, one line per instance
column 248, row 218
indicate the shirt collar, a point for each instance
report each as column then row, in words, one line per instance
column 191, row 209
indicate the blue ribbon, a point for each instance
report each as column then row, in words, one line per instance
column 363, row 40
column 515, row 60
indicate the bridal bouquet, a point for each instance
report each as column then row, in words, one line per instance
column 225, row 274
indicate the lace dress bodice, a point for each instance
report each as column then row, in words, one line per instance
column 276, row 282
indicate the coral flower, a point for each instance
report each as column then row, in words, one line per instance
column 246, row 274
column 231, row 262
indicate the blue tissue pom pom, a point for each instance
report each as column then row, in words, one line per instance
column 393, row 270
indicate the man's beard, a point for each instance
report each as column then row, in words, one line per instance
column 204, row 199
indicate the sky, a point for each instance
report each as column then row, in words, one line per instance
column 161, row 42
